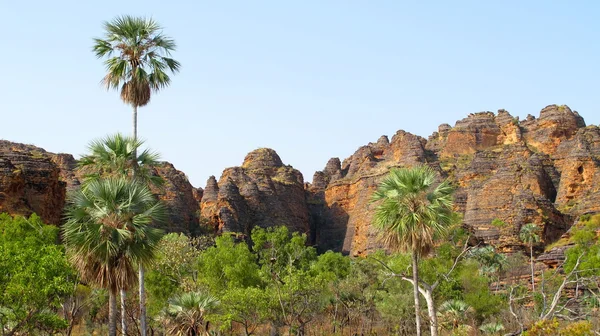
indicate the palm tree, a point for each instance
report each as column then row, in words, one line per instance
column 492, row 328
column 186, row 313
column 137, row 64
column 492, row 263
column 529, row 235
column 413, row 211
column 137, row 61
column 116, row 155
column 454, row 312
column 107, row 233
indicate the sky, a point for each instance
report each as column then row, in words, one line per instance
column 311, row 79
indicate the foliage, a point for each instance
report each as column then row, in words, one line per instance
column 138, row 59
column 579, row 328
column 413, row 209
column 173, row 270
column 34, row 276
column 492, row 328
column 228, row 265
column 187, row 312
column 117, row 156
column 543, row 328
column 107, row 230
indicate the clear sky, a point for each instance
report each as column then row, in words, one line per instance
column 311, row 79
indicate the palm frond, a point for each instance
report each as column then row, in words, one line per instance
column 141, row 62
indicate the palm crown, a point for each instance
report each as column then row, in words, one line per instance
column 116, row 155
column 138, row 58
column 107, row 231
column 529, row 233
column 414, row 210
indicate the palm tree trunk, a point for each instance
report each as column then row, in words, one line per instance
column 415, row 265
column 112, row 312
column 123, row 314
column 532, row 268
column 141, row 267
column 134, row 122
column 142, row 302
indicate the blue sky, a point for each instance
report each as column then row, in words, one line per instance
column 311, row 79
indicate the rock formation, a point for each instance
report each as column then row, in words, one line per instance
column 543, row 171
column 35, row 181
column 507, row 173
column 262, row 192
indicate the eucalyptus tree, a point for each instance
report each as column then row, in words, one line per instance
column 529, row 235
column 413, row 211
column 107, row 233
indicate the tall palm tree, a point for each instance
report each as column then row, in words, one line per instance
column 138, row 61
column 529, row 235
column 186, row 313
column 107, row 233
column 413, row 211
column 137, row 64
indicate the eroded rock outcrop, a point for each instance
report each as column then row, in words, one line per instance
column 506, row 172
column 35, row 181
column 262, row 192
column 30, row 182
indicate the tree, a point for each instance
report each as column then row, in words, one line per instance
column 35, row 277
column 137, row 64
column 298, row 294
column 228, row 265
column 454, row 313
column 116, row 156
column 107, row 232
column 492, row 328
column 173, row 270
column 529, row 234
column 413, row 211
column 137, row 61
column 248, row 307
column 186, row 313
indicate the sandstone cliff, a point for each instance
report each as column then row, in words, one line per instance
column 542, row 170
column 507, row 173
column 262, row 192
column 35, row 181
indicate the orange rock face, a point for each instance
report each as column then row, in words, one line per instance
column 262, row 192
column 542, row 171
column 30, row 182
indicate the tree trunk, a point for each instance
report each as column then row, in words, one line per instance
column 415, row 265
column 135, row 122
column 142, row 302
column 123, row 313
column 112, row 312
column 532, row 268
column 143, row 328
column 433, row 323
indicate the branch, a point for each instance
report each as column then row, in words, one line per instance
column 558, row 293
column 456, row 260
